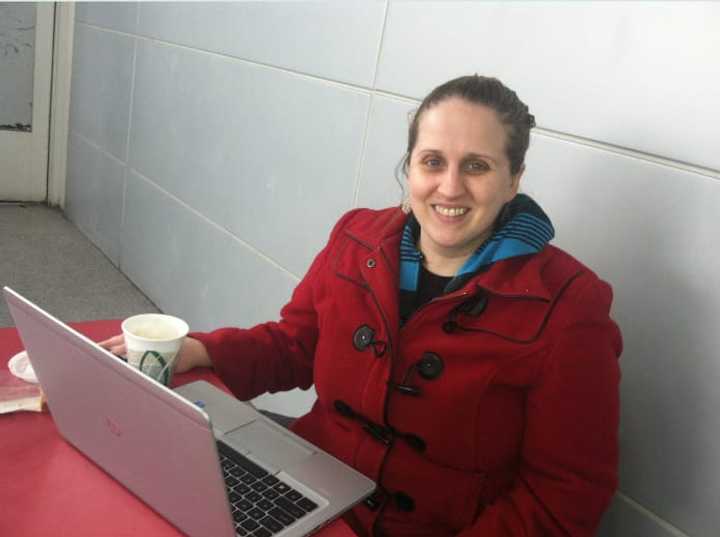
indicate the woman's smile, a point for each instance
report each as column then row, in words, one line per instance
column 450, row 212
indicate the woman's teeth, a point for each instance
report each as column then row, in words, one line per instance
column 451, row 211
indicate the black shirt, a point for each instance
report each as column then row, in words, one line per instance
column 429, row 286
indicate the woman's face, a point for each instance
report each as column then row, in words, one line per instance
column 459, row 178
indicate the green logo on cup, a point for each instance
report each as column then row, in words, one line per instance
column 154, row 365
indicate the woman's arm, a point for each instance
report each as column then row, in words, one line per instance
column 568, row 471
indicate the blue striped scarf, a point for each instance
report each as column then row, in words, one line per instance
column 522, row 228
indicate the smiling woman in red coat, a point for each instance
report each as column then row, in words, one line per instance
column 461, row 361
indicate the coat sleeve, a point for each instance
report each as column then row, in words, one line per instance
column 569, row 458
column 273, row 356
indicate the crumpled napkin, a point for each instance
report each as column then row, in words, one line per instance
column 20, row 366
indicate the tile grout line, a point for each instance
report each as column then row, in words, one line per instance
column 380, row 43
column 348, row 86
column 396, row 97
column 217, row 226
column 94, row 145
column 675, row 531
column 626, row 152
column 371, row 106
column 127, row 146
column 363, row 148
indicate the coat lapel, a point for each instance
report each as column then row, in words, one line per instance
column 376, row 264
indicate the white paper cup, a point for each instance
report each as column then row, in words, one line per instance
column 153, row 341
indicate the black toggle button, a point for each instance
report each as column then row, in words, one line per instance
column 379, row 433
column 374, row 501
column 479, row 305
column 430, row 366
column 415, row 442
column 363, row 337
column 344, row 409
column 406, row 389
column 404, row 502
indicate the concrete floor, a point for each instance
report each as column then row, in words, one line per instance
column 47, row 259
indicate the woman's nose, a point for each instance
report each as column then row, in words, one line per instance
column 451, row 183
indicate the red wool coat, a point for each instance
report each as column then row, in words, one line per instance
column 502, row 423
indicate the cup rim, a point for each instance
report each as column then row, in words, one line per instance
column 184, row 328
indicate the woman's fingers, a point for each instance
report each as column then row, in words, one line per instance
column 119, row 350
column 115, row 345
column 114, row 341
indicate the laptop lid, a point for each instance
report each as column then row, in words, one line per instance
column 156, row 443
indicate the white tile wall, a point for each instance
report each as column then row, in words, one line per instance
column 120, row 16
column 386, row 145
column 101, row 83
column 94, row 194
column 628, row 73
column 247, row 146
column 337, row 41
column 255, row 125
column 190, row 266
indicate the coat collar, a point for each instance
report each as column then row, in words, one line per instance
column 375, row 228
column 380, row 232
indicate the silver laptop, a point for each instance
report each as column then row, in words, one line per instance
column 208, row 463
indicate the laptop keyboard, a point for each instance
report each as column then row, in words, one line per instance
column 262, row 504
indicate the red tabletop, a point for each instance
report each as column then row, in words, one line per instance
column 48, row 488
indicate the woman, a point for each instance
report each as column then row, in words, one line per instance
column 462, row 362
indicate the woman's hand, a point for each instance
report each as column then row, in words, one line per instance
column 115, row 345
column 192, row 353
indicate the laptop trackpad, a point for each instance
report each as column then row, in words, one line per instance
column 268, row 444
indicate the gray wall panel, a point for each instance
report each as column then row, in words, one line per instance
column 190, row 267
column 627, row 73
column 248, row 147
column 386, row 144
column 120, row 16
column 94, row 195
column 101, row 82
column 336, row 41
column 650, row 230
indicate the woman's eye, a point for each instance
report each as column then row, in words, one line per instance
column 432, row 162
column 476, row 166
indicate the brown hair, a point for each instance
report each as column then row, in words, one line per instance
column 490, row 92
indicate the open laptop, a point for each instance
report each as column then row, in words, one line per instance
column 208, row 463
